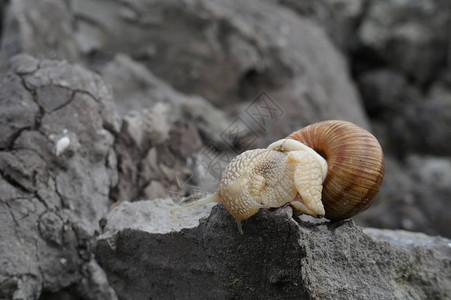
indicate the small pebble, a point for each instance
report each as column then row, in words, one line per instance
column 62, row 145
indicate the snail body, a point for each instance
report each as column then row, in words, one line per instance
column 331, row 168
column 259, row 178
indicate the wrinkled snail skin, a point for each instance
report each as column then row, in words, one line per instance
column 331, row 168
column 259, row 178
column 355, row 165
column 255, row 179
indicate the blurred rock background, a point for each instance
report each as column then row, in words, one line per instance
column 175, row 88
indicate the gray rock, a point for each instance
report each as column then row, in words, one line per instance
column 134, row 86
column 137, row 215
column 410, row 120
column 409, row 35
column 423, row 128
column 49, row 209
column 140, row 133
column 384, row 91
column 19, row 111
column 433, row 120
column 29, row 28
column 147, row 252
column 137, row 88
column 161, row 132
column 406, row 239
column 431, row 177
column 149, row 125
column 153, row 151
column 340, row 18
column 414, row 196
column 185, row 139
column 228, row 52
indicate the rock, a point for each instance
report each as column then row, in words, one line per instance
column 3, row 4
column 402, row 238
column 19, row 110
column 422, row 128
column 229, row 52
column 49, row 209
column 430, row 177
column 148, row 126
column 340, row 18
column 28, row 28
column 414, row 196
column 185, row 139
column 137, row 215
column 161, row 132
column 153, row 150
column 432, row 120
column 212, row 122
column 410, row 35
column 136, row 88
column 155, row 190
column 147, row 252
column 410, row 119
column 384, row 91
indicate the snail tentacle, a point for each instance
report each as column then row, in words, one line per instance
column 209, row 199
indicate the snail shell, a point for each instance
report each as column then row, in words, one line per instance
column 331, row 168
column 355, row 165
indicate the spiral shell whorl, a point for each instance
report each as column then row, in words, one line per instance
column 355, row 165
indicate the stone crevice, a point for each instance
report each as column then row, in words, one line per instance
column 10, row 179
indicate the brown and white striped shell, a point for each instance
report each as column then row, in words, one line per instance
column 355, row 165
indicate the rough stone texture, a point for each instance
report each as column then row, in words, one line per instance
column 386, row 91
column 228, row 52
column 136, row 88
column 414, row 196
column 215, row 54
column 410, row 35
column 399, row 54
column 425, row 128
column 148, row 254
column 152, row 152
column 405, row 238
column 49, row 210
column 408, row 119
column 151, row 161
column 30, row 28
column 340, row 18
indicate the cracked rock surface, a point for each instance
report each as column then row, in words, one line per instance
column 49, row 210
column 148, row 253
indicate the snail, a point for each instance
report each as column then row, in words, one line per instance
column 330, row 169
